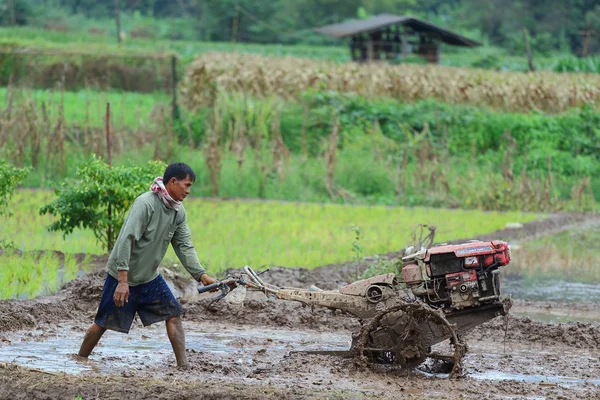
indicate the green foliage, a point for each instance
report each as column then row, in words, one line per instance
column 357, row 248
column 570, row 138
column 380, row 266
column 85, row 202
column 10, row 177
column 573, row 64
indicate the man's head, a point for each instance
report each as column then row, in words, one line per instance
column 178, row 179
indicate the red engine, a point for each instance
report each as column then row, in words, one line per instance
column 457, row 276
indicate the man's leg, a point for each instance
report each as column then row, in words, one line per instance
column 177, row 338
column 92, row 336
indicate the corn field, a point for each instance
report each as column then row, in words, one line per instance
column 289, row 77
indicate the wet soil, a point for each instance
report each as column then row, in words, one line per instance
column 248, row 350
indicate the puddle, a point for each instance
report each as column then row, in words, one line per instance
column 145, row 347
column 549, row 367
column 553, row 317
column 550, row 380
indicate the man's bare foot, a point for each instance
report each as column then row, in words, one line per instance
column 77, row 357
column 184, row 367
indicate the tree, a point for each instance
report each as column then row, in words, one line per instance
column 84, row 203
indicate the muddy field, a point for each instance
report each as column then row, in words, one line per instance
column 254, row 350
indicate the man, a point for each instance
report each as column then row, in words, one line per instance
column 133, row 283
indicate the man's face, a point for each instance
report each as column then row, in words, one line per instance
column 179, row 189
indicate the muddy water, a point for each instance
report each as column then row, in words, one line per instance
column 556, row 302
column 239, row 350
column 551, row 290
column 533, row 363
column 149, row 347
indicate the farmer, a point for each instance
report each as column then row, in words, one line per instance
column 133, row 283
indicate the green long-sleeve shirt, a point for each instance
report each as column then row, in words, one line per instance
column 145, row 237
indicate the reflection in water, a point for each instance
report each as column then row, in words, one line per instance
column 562, row 380
column 150, row 346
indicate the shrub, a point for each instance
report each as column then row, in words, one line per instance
column 10, row 177
column 99, row 198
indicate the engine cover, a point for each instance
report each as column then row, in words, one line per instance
column 450, row 259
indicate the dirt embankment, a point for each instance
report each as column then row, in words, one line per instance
column 75, row 299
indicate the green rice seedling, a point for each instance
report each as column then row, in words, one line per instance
column 25, row 272
column 51, row 279
column 35, row 287
column 70, row 268
column 86, row 263
column 9, row 265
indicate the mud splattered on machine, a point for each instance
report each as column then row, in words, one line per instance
column 442, row 292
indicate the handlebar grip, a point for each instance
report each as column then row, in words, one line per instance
column 208, row 288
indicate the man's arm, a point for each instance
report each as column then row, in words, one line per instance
column 182, row 244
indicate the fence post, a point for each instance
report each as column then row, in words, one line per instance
column 109, row 233
column 175, row 110
column 117, row 20
column 528, row 50
column 12, row 12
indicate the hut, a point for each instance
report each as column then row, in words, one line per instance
column 387, row 36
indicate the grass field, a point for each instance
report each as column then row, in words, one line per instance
column 128, row 108
column 234, row 233
column 186, row 49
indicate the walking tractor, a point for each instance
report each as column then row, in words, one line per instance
column 441, row 293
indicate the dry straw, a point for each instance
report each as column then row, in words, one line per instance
column 289, row 77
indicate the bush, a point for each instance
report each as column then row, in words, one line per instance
column 10, row 177
column 85, row 202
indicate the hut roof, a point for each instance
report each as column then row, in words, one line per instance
column 378, row 22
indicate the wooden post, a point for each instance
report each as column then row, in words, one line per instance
column 370, row 50
column 528, row 49
column 586, row 34
column 117, row 20
column 234, row 28
column 174, row 105
column 109, row 233
column 107, row 127
column 13, row 13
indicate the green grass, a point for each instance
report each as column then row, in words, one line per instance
column 235, row 233
column 99, row 44
column 129, row 109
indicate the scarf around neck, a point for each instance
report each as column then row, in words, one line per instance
column 158, row 187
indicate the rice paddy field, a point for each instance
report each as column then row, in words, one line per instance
column 233, row 233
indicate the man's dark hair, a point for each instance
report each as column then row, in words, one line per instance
column 178, row 171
